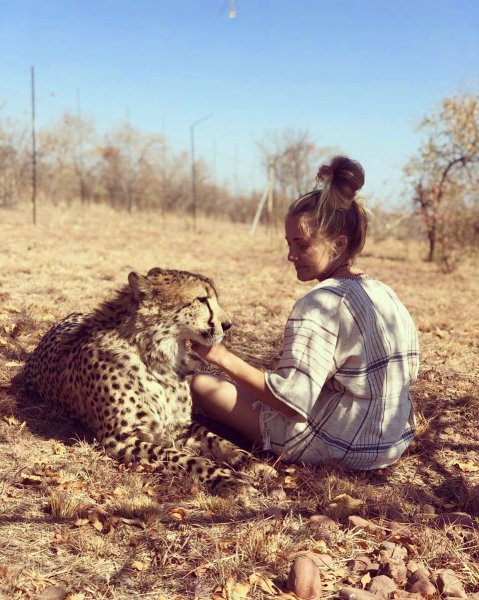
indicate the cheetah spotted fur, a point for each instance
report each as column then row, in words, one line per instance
column 122, row 369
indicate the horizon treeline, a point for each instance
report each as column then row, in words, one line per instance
column 132, row 171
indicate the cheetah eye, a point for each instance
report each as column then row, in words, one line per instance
column 203, row 299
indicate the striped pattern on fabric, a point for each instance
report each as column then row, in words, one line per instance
column 350, row 355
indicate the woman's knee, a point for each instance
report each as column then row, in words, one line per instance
column 203, row 384
column 205, row 388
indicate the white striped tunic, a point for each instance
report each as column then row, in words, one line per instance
column 350, row 355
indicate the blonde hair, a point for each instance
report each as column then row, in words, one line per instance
column 335, row 210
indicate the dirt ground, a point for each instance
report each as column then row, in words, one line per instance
column 72, row 517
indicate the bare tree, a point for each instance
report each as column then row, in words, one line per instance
column 295, row 159
column 444, row 174
column 67, row 159
column 140, row 171
column 13, row 161
column 131, row 170
column 127, row 160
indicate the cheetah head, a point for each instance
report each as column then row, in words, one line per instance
column 183, row 303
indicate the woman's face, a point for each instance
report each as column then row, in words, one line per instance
column 311, row 257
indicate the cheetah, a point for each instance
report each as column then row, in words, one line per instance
column 122, row 371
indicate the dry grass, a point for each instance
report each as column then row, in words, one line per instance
column 72, row 516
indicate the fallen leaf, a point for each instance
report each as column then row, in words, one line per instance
column 341, row 572
column 264, row 583
column 235, row 591
column 4, row 571
column 58, row 448
column 320, row 546
column 39, row 581
column 11, row 309
column 134, row 541
column 65, row 482
column 289, row 483
column 98, row 525
column 148, row 490
column 202, row 568
column 29, row 479
column 101, row 521
column 406, row 541
column 287, row 480
column 62, row 538
column 139, row 566
column 365, row 579
column 194, row 489
column 467, row 467
column 133, row 522
column 9, row 328
column 179, row 514
column 47, row 472
column 345, row 505
column 48, row 318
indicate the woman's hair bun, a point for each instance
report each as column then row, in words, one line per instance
column 334, row 209
column 344, row 175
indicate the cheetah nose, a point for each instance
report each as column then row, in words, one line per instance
column 226, row 326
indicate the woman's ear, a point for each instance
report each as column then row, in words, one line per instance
column 340, row 244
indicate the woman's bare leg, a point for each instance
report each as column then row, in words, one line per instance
column 227, row 404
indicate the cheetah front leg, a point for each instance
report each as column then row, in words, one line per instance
column 222, row 481
column 225, row 451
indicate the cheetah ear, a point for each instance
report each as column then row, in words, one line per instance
column 140, row 285
column 154, row 271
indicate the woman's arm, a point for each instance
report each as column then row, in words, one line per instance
column 244, row 374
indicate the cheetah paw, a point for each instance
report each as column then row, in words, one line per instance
column 232, row 483
column 261, row 470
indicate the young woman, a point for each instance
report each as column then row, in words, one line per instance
column 340, row 393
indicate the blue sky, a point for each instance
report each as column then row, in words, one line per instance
column 358, row 75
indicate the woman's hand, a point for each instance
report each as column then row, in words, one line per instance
column 247, row 376
column 213, row 354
